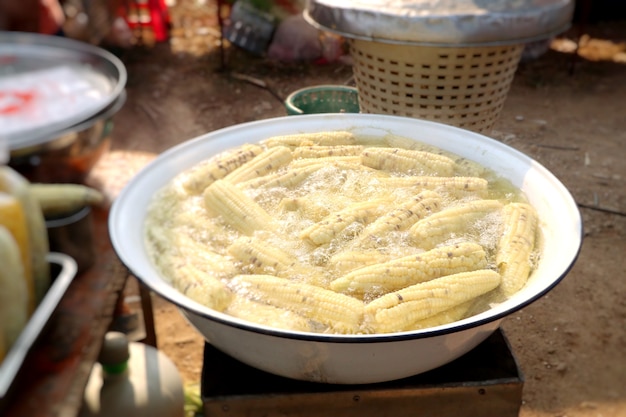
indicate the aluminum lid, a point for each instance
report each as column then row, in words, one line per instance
column 442, row 22
column 51, row 83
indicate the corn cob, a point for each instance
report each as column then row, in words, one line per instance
column 169, row 251
column 346, row 172
column 351, row 161
column 378, row 279
column 328, row 138
column 316, row 151
column 407, row 161
column 264, row 163
column 191, row 216
column 15, row 184
column 448, row 184
column 334, row 224
column 349, row 260
column 63, row 199
column 463, row 166
column 308, row 207
column 451, row 315
column 467, row 168
column 287, row 179
column 14, row 313
column 236, row 208
column 200, row 255
column 395, row 141
column 402, row 142
column 203, row 287
column 401, row 309
column 450, row 222
column 359, row 167
column 202, row 175
column 267, row 315
column 401, row 217
column 259, row 257
column 515, row 246
column 342, row 313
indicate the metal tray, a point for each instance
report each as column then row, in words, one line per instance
column 15, row 357
column 91, row 77
column 442, row 22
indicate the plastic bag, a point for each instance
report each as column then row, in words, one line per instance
column 295, row 40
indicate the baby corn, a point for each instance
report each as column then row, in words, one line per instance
column 332, row 232
column 201, row 256
column 378, row 279
column 395, row 141
column 451, row 315
column 351, row 161
column 349, row 260
column 407, row 161
column 404, row 308
column 467, row 168
column 449, row 184
column 332, row 225
column 463, row 167
column 313, row 206
column 204, row 288
column 316, row 151
column 401, row 217
column 267, row 315
column 340, row 312
column 236, row 208
column 330, row 138
column 436, row 228
column 515, row 246
column 266, row 162
column 205, row 173
column 258, row 257
column 286, row 179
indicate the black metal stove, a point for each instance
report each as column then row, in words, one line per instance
column 485, row 382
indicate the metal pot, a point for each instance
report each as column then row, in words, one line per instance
column 352, row 359
column 57, row 99
column 69, row 155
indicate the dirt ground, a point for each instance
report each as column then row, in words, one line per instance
column 567, row 111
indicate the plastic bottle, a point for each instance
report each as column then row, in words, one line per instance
column 132, row 379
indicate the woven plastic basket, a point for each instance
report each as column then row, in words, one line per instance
column 461, row 86
column 323, row 99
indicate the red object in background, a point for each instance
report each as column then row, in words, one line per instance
column 160, row 19
column 50, row 17
column 147, row 16
column 289, row 6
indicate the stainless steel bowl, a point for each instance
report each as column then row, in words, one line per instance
column 67, row 156
column 57, row 98
column 351, row 359
column 442, row 22
column 68, row 82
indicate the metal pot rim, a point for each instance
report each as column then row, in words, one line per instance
column 437, row 23
column 31, row 52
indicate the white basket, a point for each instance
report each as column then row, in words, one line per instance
column 461, row 86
